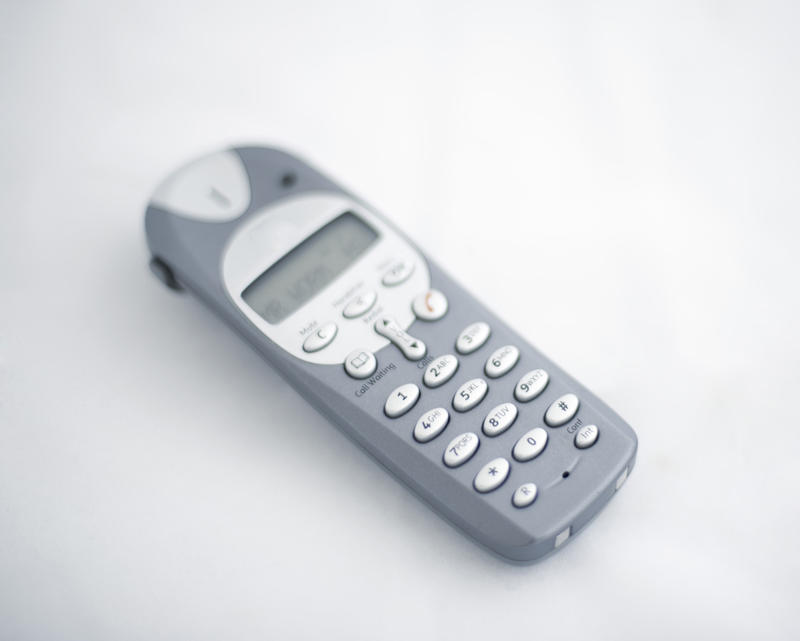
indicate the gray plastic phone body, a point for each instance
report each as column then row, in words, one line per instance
column 573, row 484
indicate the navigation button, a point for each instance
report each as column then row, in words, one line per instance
column 320, row 338
column 413, row 348
column 359, row 305
column 430, row 305
column 360, row 363
column 492, row 475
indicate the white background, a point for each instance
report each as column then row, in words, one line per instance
column 621, row 183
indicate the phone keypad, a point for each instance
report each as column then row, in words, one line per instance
column 530, row 445
column 562, row 410
column 499, row 419
column 531, row 385
column 524, row 495
column 461, row 449
column 472, row 337
column 586, row 436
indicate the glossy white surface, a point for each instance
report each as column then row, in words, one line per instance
column 431, row 424
column 440, row 370
column 501, row 361
column 473, row 337
column 430, row 305
column 401, row 400
column 530, row 444
column 470, row 394
column 524, row 495
column 461, row 449
column 499, row 419
column 645, row 157
column 492, row 475
column 562, row 410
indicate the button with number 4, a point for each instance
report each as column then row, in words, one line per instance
column 431, row 424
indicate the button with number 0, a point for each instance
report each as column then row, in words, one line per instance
column 530, row 445
column 401, row 400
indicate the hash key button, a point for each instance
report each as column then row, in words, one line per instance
column 562, row 410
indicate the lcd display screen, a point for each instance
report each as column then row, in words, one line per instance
column 309, row 267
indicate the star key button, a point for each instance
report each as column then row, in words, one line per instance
column 492, row 475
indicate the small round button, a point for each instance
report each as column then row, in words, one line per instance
column 360, row 363
column 530, row 445
column 499, row 419
column 440, row 370
column 359, row 305
column 320, row 338
column 401, row 400
column 501, row 361
column 461, row 449
column 431, row 424
column 562, row 410
column 398, row 273
column 492, row 475
column 430, row 305
column 472, row 337
column 586, row 436
column 470, row 394
column 525, row 495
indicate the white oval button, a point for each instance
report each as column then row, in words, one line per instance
column 361, row 304
column 525, row 495
column 461, row 449
column 472, row 337
column 360, row 363
column 499, row 419
column 562, row 410
column 431, row 424
column 531, row 385
column 401, row 400
column 430, row 305
column 440, row 370
column 586, row 436
column 492, row 475
column 321, row 338
column 470, row 394
column 530, row 445
column 501, row 361
column 398, row 273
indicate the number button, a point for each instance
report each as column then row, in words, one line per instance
column 492, row 475
column 531, row 385
column 321, row 338
column 399, row 273
column 470, row 394
column 461, row 449
column 501, row 361
column 586, row 436
column 361, row 304
column 500, row 419
column 525, row 495
column 360, row 363
column 440, row 370
column 401, row 400
column 431, row 424
column 430, row 305
column 530, row 445
column 472, row 337
column 562, row 410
